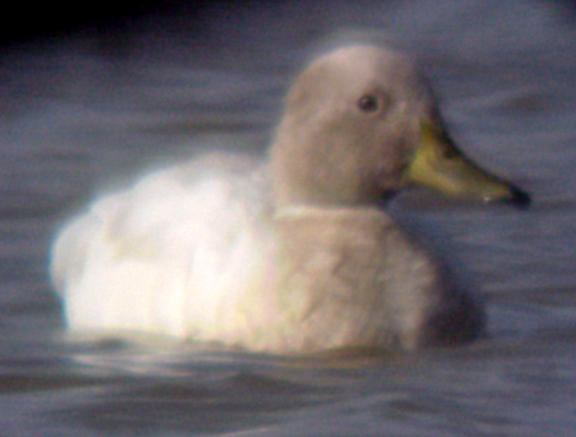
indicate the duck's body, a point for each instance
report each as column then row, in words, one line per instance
column 288, row 257
column 153, row 258
column 201, row 255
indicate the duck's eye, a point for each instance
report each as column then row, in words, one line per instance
column 368, row 103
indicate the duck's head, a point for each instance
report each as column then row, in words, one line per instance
column 360, row 124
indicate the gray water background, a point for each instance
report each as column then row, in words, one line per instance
column 83, row 113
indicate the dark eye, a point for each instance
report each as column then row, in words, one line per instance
column 368, row 103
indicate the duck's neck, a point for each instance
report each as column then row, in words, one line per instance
column 300, row 179
column 297, row 187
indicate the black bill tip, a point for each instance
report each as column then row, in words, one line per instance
column 519, row 198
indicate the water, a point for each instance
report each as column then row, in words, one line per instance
column 82, row 113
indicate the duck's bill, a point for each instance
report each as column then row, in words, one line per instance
column 438, row 164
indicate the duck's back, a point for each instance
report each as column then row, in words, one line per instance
column 167, row 256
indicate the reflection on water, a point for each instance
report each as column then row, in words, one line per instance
column 83, row 112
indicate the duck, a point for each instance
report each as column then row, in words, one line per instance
column 294, row 252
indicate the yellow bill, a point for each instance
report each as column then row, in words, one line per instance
column 438, row 164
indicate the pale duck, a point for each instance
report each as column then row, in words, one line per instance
column 295, row 255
